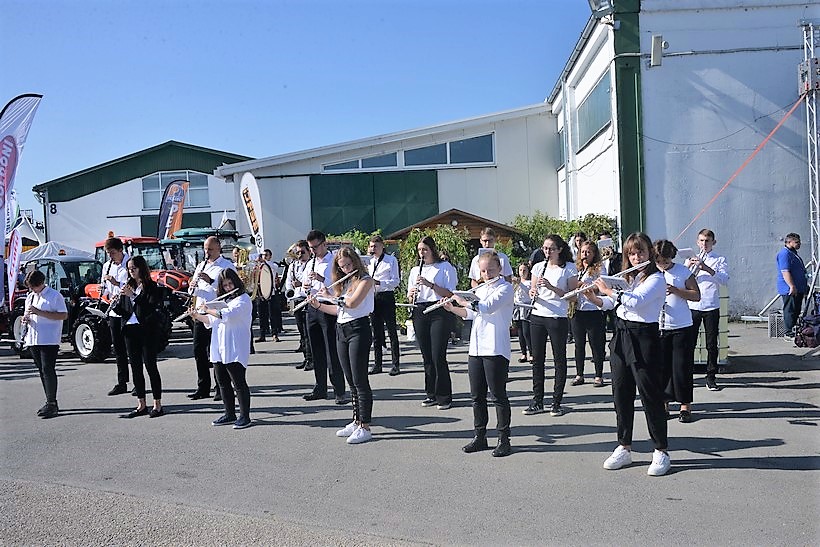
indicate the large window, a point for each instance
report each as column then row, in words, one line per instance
column 594, row 113
column 471, row 150
column 475, row 150
column 154, row 185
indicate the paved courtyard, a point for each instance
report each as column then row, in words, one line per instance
column 745, row 472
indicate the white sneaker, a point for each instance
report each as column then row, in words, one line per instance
column 621, row 457
column 348, row 430
column 361, row 435
column 444, row 406
column 660, row 464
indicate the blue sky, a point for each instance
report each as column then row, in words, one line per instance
column 262, row 78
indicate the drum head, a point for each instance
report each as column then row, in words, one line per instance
column 264, row 282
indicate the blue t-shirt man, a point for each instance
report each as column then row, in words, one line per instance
column 791, row 281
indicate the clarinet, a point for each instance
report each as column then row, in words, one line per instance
column 415, row 295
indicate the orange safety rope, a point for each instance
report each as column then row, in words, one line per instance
column 742, row 167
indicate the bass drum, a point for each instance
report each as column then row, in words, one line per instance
column 264, row 282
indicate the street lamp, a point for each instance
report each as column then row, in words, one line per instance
column 601, row 8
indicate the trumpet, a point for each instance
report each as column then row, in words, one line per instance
column 449, row 299
column 572, row 294
column 314, row 296
column 192, row 311
column 695, row 266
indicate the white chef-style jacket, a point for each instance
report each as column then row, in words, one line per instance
column 231, row 337
column 490, row 334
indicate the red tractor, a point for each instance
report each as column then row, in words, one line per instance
column 162, row 269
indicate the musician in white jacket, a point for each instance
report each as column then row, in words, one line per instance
column 635, row 352
column 488, row 364
column 711, row 271
column 384, row 269
column 230, row 347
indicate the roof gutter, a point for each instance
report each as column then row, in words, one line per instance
column 579, row 47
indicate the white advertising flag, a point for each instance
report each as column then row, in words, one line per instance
column 15, row 121
column 249, row 196
column 15, row 248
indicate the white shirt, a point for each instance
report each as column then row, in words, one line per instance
column 295, row 273
column 322, row 267
column 133, row 319
column 548, row 303
column 441, row 273
column 475, row 272
column 42, row 331
column 204, row 291
column 118, row 272
column 710, row 284
column 675, row 313
column 642, row 303
column 385, row 270
column 582, row 302
column 231, row 337
column 365, row 308
column 490, row 334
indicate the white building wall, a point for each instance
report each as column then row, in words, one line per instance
column 84, row 221
column 705, row 109
column 522, row 181
column 588, row 182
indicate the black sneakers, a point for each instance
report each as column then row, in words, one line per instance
column 534, row 408
column 118, row 389
column 48, row 410
column 711, row 384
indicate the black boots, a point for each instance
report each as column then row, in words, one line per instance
column 503, row 448
column 478, row 443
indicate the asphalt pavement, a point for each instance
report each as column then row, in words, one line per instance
column 744, row 472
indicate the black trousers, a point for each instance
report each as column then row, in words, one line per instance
column 321, row 329
column 384, row 313
column 115, row 327
column 524, row 340
column 45, row 357
column 635, row 360
column 590, row 323
column 233, row 373
column 432, row 334
column 792, row 305
column 142, row 351
column 557, row 329
column 301, row 324
column 263, row 312
column 202, row 346
column 275, row 313
column 678, row 364
column 489, row 372
column 711, row 324
column 353, row 341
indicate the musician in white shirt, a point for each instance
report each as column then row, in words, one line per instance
column 487, row 240
column 522, row 310
column 384, row 269
column 676, row 327
column 322, row 326
column 203, row 288
column 488, row 364
column 635, row 352
column 43, row 317
column 230, row 347
column 711, row 271
column 353, row 336
column 431, row 280
column 296, row 292
column 115, row 275
column 588, row 319
column 551, row 279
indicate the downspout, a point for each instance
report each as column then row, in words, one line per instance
column 627, row 64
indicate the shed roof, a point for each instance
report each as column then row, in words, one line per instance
column 473, row 223
column 169, row 156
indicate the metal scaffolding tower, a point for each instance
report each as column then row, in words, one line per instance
column 809, row 84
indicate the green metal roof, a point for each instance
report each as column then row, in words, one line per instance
column 169, row 156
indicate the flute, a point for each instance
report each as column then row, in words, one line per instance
column 571, row 294
column 449, row 299
column 313, row 297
